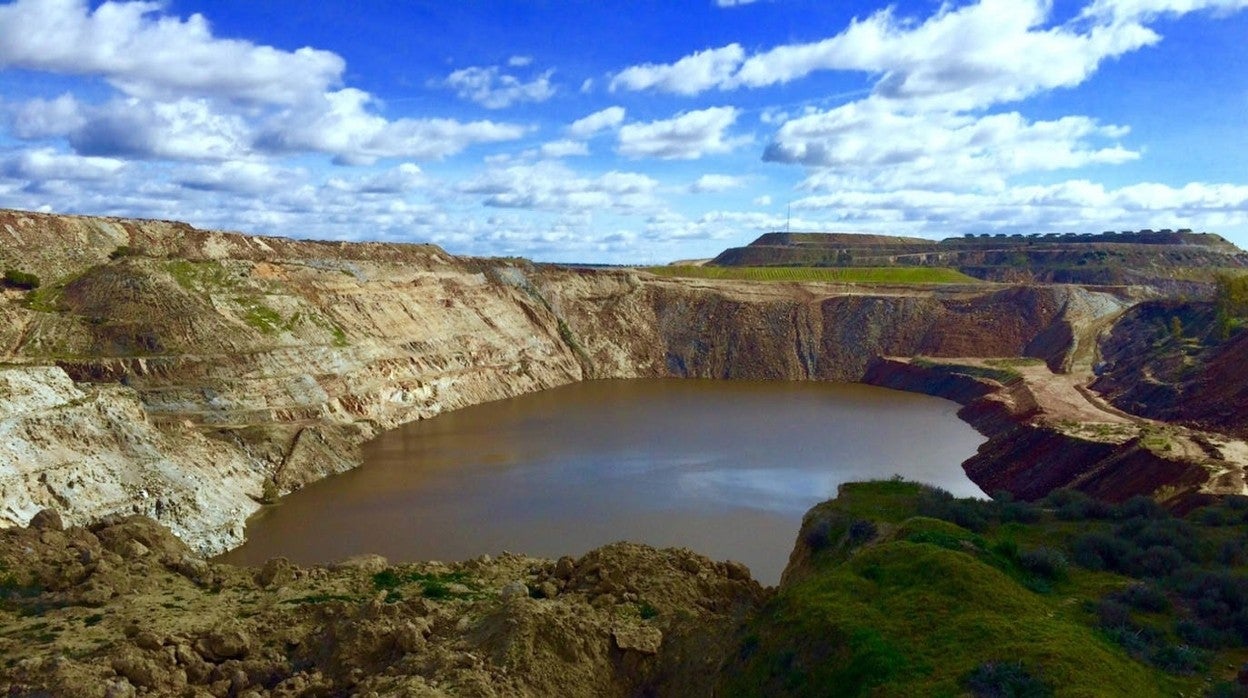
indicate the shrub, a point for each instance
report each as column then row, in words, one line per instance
column 1072, row 505
column 1178, row 659
column 1002, row 679
column 434, row 589
column 1101, row 551
column 1020, row 512
column 819, row 535
column 1170, row 533
column 861, row 531
column 386, row 579
column 1112, row 614
column 1216, row 516
column 1231, row 553
column 1143, row 597
column 1007, row 548
column 14, row 278
column 1193, row 632
column 970, row 514
column 1158, row 561
column 1044, row 562
column 123, row 251
column 1228, row 689
column 1236, row 502
column 1141, row 507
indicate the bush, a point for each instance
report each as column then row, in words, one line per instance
column 1112, row 614
column 20, row 279
column 1140, row 507
column 123, row 251
column 861, row 531
column 1044, row 562
column 1101, row 551
column 1228, row 689
column 1158, row 561
column 1170, row 533
column 1218, row 596
column 1020, row 512
column 1005, row 679
column 1072, row 505
column 1178, row 659
column 1236, row 502
column 971, row 514
column 819, row 535
column 1198, row 634
column 1232, row 553
column 1143, row 597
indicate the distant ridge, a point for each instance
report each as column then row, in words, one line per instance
column 1127, row 257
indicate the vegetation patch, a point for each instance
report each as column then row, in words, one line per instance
column 448, row 585
column 200, row 276
column 261, row 317
column 856, row 275
column 15, row 278
column 1230, row 303
column 996, row 597
column 1001, row 373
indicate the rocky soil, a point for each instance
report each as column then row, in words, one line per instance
column 125, row 608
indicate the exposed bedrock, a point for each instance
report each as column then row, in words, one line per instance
column 1032, row 450
column 189, row 375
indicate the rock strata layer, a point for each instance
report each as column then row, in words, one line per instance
column 189, row 375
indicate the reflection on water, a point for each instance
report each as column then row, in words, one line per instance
column 725, row 468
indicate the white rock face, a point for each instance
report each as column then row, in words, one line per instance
column 90, row 451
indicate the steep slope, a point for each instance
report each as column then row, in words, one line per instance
column 895, row 589
column 1166, row 360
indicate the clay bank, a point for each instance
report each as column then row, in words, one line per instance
column 191, row 375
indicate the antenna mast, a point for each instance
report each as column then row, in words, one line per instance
column 788, row 218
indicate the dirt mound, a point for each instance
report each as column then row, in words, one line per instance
column 124, row 608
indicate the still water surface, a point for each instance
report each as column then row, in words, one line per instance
column 724, row 467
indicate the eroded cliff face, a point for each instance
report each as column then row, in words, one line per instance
column 187, row 375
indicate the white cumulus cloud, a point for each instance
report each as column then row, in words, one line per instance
column 710, row 183
column 493, row 89
column 564, row 148
column 962, row 57
column 552, row 186
column 341, row 124
column 871, row 141
column 690, row 75
column 602, row 120
column 148, row 54
column 46, row 163
column 687, row 136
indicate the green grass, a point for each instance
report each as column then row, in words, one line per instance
column 857, row 275
column 432, row 585
column 1003, row 373
column 930, row 607
column 262, row 317
column 200, row 276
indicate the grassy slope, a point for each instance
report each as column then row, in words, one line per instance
column 877, row 275
column 920, row 604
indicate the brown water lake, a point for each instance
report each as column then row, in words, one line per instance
column 726, row 468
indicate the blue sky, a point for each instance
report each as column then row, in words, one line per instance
column 629, row 131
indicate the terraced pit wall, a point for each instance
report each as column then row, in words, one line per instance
column 189, row 375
